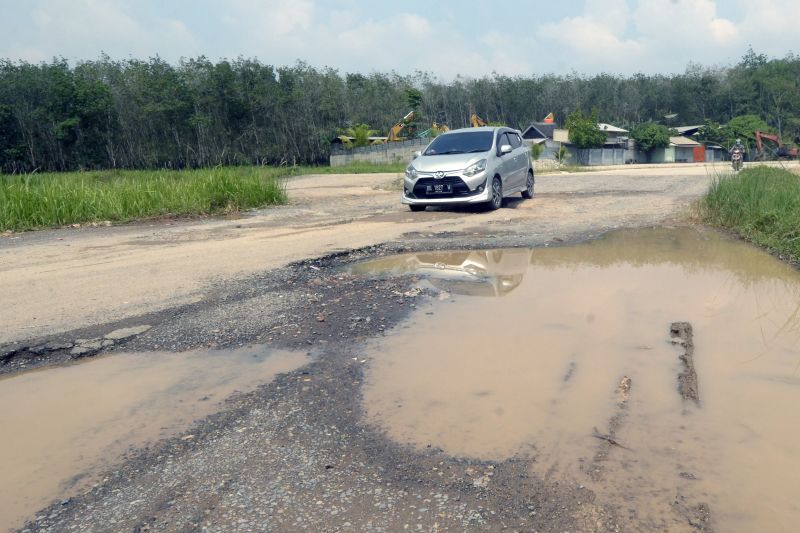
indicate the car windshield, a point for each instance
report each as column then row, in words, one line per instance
column 461, row 143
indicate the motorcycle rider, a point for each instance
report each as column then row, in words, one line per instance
column 737, row 147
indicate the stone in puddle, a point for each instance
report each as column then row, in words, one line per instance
column 80, row 351
column 53, row 346
column 124, row 333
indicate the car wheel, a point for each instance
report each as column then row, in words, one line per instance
column 528, row 192
column 496, row 201
column 417, row 207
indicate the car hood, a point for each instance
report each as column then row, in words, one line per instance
column 432, row 163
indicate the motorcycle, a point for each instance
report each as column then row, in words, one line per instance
column 736, row 160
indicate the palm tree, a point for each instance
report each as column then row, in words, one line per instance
column 357, row 136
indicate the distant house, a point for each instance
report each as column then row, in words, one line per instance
column 688, row 131
column 542, row 133
column 614, row 135
column 539, row 130
column 680, row 150
column 613, row 151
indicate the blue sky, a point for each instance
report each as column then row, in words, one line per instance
column 446, row 38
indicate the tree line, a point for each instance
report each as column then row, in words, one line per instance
column 149, row 113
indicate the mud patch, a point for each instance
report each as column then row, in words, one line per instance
column 63, row 425
column 491, row 378
column 681, row 333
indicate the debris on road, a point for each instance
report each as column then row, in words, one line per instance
column 681, row 334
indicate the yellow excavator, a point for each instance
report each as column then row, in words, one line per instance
column 435, row 130
column 394, row 133
column 476, row 121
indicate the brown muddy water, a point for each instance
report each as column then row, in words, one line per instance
column 530, row 368
column 62, row 426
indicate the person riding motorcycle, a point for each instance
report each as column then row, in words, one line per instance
column 737, row 149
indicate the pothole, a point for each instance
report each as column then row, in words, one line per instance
column 538, row 371
column 61, row 426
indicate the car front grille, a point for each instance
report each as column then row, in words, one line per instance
column 459, row 187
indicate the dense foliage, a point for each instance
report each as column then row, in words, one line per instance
column 650, row 135
column 761, row 204
column 584, row 131
column 147, row 114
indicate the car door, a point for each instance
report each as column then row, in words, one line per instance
column 519, row 159
column 508, row 168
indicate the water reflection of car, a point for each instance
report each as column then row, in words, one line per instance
column 472, row 273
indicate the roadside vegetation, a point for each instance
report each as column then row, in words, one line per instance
column 44, row 200
column 140, row 114
column 40, row 200
column 762, row 204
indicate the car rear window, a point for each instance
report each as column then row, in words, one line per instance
column 461, row 143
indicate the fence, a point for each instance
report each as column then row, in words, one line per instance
column 393, row 152
column 597, row 156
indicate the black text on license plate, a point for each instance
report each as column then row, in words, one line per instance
column 439, row 188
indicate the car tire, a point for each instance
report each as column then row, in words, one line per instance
column 529, row 184
column 416, row 207
column 496, row 199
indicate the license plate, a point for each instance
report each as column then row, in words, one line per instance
column 439, row 188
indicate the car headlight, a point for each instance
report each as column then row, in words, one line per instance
column 475, row 168
column 411, row 172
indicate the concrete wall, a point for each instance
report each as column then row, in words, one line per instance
column 714, row 155
column 401, row 152
column 596, row 156
column 663, row 155
column 684, row 154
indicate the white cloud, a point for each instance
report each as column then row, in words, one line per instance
column 594, row 41
column 81, row 29
column 770, row 26
column 272, row 20
column 648, row 36
column 620, row 36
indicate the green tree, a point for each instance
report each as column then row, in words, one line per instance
column 360, row 134
column 536, row 151
column 650, row 135
column 744, row 128
column 584, row 131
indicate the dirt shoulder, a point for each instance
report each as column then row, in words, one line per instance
column 60, row 280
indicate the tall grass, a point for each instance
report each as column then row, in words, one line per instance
column 43, row 200
column 760, row 203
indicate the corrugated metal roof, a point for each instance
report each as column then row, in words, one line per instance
column 688, row 130
column 539, row 130
column 609, row 128
column 683, row 141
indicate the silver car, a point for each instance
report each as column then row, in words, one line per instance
column 469, row 166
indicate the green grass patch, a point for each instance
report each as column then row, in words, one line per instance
column 45, row 200
column 761, row 204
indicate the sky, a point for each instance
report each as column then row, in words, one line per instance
column 445, row 38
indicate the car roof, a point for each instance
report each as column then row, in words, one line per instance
column 483, row 128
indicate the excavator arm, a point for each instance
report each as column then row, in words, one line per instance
column 781, row 150
column 476, row 121
column 394, row 133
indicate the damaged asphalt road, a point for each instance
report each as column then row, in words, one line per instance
column 295, row 453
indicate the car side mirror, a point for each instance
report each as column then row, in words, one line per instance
column 417, row 154
column 505, row 149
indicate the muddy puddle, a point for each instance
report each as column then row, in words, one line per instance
column 537, row 367
column 62, row 426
